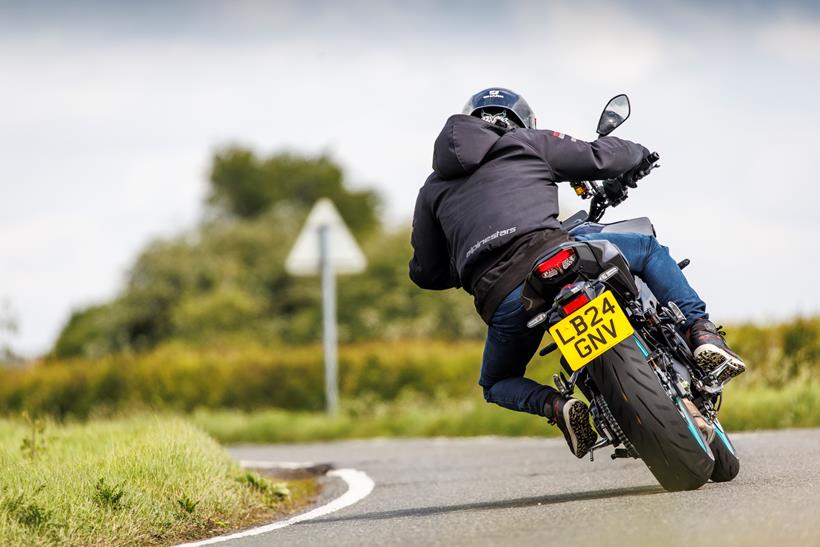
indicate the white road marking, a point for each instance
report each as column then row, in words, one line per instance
column 359, row 486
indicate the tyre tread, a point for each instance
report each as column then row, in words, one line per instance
column 662, row 438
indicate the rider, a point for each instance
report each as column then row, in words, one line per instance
column 490, row 209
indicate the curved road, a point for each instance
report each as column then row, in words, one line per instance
column 502, row 491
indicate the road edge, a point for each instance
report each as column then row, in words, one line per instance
column 359, row 486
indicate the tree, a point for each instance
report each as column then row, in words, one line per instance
column 90, row 332
column 226, row 277
column 246, row 186
column 384, row 303
column 9, row 326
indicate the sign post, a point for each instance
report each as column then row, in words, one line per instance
column 329, row 320
column 326, row 247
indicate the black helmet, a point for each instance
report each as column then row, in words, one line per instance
column 493, row 99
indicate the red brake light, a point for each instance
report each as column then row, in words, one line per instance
column 580, row 301
column 556, row 264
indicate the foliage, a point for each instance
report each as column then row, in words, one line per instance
column 108, row 495
column 9, row 326
column 92, row 331
column 778, row 354
column 34, row 441
column 226, row 277
column 246, row 186
column 187, row 504
column 246, row 376
column 243, row 374
column 135, row 481
column 274, row 492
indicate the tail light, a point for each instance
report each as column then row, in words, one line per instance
column 575, row 304
column 557, row 264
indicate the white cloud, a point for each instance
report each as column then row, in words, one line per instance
column 792, row 39
column 106, row 140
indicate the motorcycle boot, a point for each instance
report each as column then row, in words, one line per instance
column 711, row 352
column 705, row 427
column 572, row 418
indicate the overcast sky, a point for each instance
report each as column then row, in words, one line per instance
column 109, row 113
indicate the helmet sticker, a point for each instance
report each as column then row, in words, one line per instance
column 499, row 97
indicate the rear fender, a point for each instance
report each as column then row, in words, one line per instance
column 593, row 258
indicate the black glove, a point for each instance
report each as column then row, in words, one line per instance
column 631, row 178
column 614, row 190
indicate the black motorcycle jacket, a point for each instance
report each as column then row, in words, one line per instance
column 490, row 207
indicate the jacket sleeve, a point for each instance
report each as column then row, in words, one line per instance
column 573, row 160
column 430, row 267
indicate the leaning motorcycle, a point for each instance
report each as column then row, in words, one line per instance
column 624, row 350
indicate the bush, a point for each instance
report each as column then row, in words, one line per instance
column 244, row 375
column 778, row 354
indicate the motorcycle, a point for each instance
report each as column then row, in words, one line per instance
column 624, row 350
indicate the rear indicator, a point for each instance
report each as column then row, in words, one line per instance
column 556, row 264
column 575, row 304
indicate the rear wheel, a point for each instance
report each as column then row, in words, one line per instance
column 727, row 464
column 661, row 430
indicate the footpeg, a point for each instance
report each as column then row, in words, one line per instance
column 676, row 314
column 620, row 453
column 604, row 441
column 562, row 384
column 549, row 348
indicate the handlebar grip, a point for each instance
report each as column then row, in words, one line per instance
column 648, row 161
column 641, row 170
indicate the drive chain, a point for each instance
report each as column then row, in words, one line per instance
column 613, row 425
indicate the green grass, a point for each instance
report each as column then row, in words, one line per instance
column 744, row 408
column 130, row 481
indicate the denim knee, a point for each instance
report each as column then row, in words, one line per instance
column 649, row 246
column 655, row 245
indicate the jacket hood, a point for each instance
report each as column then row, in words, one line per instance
column 462, row 145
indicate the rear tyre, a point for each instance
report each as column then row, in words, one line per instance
column 727, row 464
column 662, row 432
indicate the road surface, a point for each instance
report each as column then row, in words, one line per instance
column 514, row 491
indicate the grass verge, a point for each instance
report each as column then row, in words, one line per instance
column 130, row 481
column 744, row 408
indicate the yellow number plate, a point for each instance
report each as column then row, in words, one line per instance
column 591, row 330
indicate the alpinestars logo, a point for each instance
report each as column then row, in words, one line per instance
column 496, row 235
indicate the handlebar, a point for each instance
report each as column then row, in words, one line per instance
column 613, row 191
column 643, row 169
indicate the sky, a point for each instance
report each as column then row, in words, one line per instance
column 110, row 113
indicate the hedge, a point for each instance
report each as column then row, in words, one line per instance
column 248, row 376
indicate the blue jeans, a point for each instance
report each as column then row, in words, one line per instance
column 510, row 344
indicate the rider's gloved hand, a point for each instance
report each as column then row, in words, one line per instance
column 631, row 178
column 614, row 190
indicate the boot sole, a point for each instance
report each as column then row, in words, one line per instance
column 710, row 357
column 581, row 434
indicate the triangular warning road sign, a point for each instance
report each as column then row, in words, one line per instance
column 345, row 254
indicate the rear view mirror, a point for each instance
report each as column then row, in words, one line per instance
column 615, row 113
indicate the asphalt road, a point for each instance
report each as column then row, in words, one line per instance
column 500, row 491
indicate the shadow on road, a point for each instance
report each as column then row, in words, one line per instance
column 505, row 504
